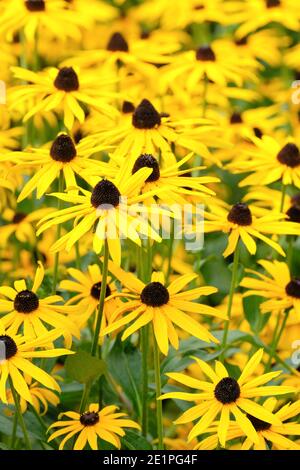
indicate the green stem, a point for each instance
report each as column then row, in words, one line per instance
column 145, row 350
column 276, row 338
column 159, row 417
column 101, row 300
column 230, row 298
column 14, row 431
column 78, row 258
column 204, row 98
column 20, row 416
column 283, row 194
column 84, row 398
column 58, row 233
column 289, row 255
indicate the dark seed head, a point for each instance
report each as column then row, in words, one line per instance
column 147, row 161
column 145, row 116
column 26, row 301
column 117, row 42
column 105, row 193
column 289, row 155
column 240, row 214
column 145, row 35
column 293, row 288
column 205, row 53
column 7, row 347
column 293, row 214
column 236, row 118
column 258, row 424
column 90, row 418
column 155, row 294
column 241, row 42
column 63, row 149
column 67, row 80
column 128, row 107
column 18, row 217
column 35, row 5
column 227, row 390
column 257, row 132
column 272, row 3
column 96, row 289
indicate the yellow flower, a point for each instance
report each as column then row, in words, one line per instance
column 15, row 352
column 225, row 395
column 21, row 225
column 162, row 306
column 26, row 309
column 105, row 424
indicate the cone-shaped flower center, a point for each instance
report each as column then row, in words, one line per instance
column 240, row 214
column 155, row 294
column 227, row 390
column 8, row 347
column 96, row 289
column 293, row 214
column 105, row 193
column 145, row 116
column 205, row 53
column 258, row 424
column 18, row 217
column 128, row 107
column 147, row 161
column 236, row 118
column 272, row 3
column 90, row 418
column 117, row 42
column 289, row 155
column 67, row 80
column 26, row 301
column 293, row 288
column 63, row 149
column 35, row 5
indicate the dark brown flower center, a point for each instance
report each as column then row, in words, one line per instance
column 117, row 42
column 145, row 116
column 257, row 132
column 18, row 217
column 258, row 424
column 272, row 3
column 236, row 118
column 205, row 53
column 289, row 155
column 96, row 289
column 105, row 193
column 8, row 347
column 90, row 418
column 147, row 161
column 128, row 107
column 293, row 288
column 26, row 301
column 242, row 41
column 155, row 294
column 35, row 5
column 240, row 214
column 227, row 390
column 67, row 80
column 293, row 214
column 63, row 149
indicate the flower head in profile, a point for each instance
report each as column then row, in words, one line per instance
column 162, row 305
column 106, row 424
column 26, row 310
column 225, row 396
column 16, row 352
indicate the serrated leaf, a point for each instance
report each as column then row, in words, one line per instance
column 84, row 368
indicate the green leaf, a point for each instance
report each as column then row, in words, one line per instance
column 6, row 424
column 84, row 368
column 251, row 306
column 134, row 441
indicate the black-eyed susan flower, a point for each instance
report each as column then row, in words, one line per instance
column 104, row 423
column 25, row 309
column 112, row 208
column 61, row 156
column 87, row 286
column 98, row 11
column 225, row 395
column 240, row 222
column 66, row 90
column 278, row 286
column 163, row 306
column 21, row 224
column 16, row 352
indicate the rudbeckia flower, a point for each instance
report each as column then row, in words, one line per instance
column 21, row 225
column 163, row 306
column 26, row 309
column 63, row 156
column 98, row 11
column 240, row 222
column 65, row 89
column 112, row 208
column 225, row 395
column 104, row 423
column 16, row 351
column 278, row 286
column 38, row 16
column 87, row 287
